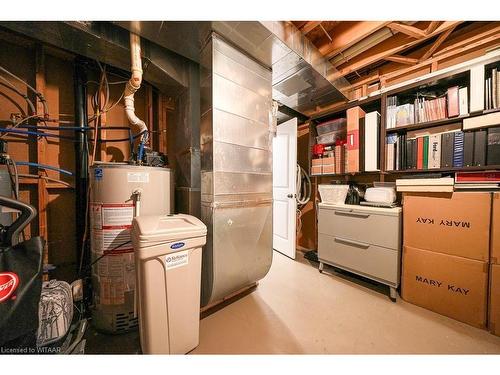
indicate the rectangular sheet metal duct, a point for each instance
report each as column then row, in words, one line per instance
column 236, row 169
column 302, row 77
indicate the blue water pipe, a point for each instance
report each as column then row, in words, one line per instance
column 44, row 166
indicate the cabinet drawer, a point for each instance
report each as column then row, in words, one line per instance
column 369, row 260
column 381, row 230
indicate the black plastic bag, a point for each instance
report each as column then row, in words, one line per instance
column 20, row 288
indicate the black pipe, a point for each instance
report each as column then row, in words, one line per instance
column 81, row 159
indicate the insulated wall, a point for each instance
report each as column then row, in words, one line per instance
column 236, row 169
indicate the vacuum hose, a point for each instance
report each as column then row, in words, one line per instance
column 304, row 189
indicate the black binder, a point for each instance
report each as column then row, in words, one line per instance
column 447, row 146
column 480, row 147
column 468, row 149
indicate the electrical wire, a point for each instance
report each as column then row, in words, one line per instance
column 9, row 85
column 108, row 252
column 15, row 184
column 45, row 166
column 27, row 175
column 14, row 179
column 37, row 93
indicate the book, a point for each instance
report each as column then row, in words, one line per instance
column 468, row 149
column 405, row 115
column 493, row 146
column 481, row 121
column 487, row 87
column 355, row 130
column 420, row 152
column 458, row 149
column 477, row 186
column 414, row 150
column 480, row 138
column 447, row 145
column 371, row 152
column 426, row 152
column 441, row 181
column 434, row 158
column 453, row 103
column 426, row 188
column 477, row 177
column 390, row 152
column 494, row 88
column 498, row 88
column 477, row 88
column 463, row 101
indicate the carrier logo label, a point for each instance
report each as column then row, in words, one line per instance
column 98, row 173
column 8, row 284
column 177, row 259
column 177, row 245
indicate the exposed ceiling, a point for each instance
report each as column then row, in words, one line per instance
column 359, row 49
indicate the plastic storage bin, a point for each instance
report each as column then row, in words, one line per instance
column 331, row 126
column 168, row 253
column 333, row 194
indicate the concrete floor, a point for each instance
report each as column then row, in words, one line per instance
column 295, row 310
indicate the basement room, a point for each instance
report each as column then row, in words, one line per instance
column 180, row 184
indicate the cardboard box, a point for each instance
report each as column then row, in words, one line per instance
column 316, row 162
column 328, row 161
column 495, row 230
column 316, row 169
column 329, row 169
column 450, row 223
column 494, row 302
column 449, row 285
column 355, row 135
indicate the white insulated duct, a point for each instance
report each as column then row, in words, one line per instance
column 138, row 126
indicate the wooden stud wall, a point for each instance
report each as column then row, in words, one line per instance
column 51, row 73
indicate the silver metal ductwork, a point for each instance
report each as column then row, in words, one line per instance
column 236, row 169
column 110, row 44
column 302, row 78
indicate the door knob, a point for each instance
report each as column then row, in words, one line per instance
column 290, row 195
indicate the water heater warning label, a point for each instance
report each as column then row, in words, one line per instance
column 117, row 215
column 178, row 259
column 138, row 177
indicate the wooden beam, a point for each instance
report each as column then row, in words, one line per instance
column 43, row 194
column 401, row 59
column 348, row 34
column 326, row 32
column 309, row 26
column 389, row 47
column 437, row 44
column 366, row 81
column 412, row 31
column 432, row 27
column 463, row 46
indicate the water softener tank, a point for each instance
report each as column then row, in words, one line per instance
column 119, row 192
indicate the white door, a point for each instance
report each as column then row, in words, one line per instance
column 284, row 188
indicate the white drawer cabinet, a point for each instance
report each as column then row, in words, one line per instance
column 362, row 240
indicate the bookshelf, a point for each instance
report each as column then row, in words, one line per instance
column 434, row 86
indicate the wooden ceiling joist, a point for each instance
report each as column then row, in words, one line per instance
column 437, row 43
column 412, row 31
column 432, row 27
column 454, row 49
column 401, row 59
column 309, row 26
column 389, row 47
column 349, row 33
